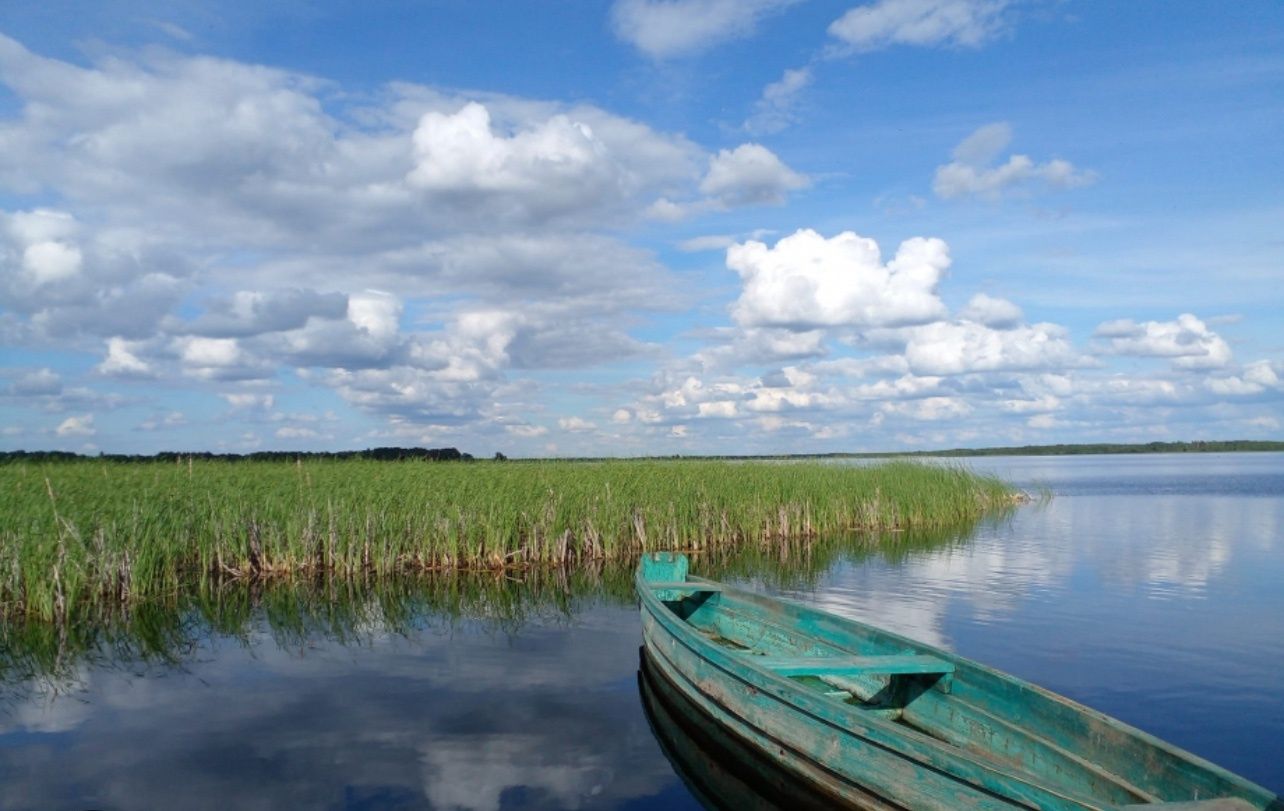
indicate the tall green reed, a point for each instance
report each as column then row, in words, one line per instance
column 77, row 533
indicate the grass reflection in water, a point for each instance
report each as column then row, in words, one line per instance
column 295, row 612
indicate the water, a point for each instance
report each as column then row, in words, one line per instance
column 1150, row 587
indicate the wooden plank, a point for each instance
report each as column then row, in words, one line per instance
column 684, row 586
column 895, row 665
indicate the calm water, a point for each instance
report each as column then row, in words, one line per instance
column 1150, row 587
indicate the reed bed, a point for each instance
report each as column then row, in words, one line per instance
column 89, row 532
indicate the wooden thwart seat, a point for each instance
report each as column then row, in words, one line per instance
column 892, row 665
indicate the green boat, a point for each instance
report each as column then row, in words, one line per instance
column 880, row 721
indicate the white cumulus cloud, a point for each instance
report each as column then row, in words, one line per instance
column 807, row 281
column 526, row 431
column 1187, row 341
column 249, row 400
column 946, row 348
column 749, row 174
column 122, row 360
column 82, row 425
column 50, row 261
column 992, row 311
column 576, row 424
column 459, row 152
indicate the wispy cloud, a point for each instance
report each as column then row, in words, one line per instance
column 975, row 173
column 923, row 23
column 664, row 29
column 775, row 109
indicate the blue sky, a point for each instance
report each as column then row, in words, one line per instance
column 641, row 226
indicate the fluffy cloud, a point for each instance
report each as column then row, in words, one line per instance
column 159, row 127
column 219, row 359
column 553, row 167
column 968, row 23
column 576, row 425
column 37, row 250
column 121, row 360
column 76, row 426
column 1188, row 341
column 668, row 28
column 991, row 311
column 1255, row 378
column 526, row 431
column 807, row 281
column 972, row 172
column 437, row 260
column 424, row 397
column 222, row 148
column 248, row 183
column 367, row 334
column 49, row 262
column 749, row 174
column 38, row 226
column 945, row 348
column 66, row 280
column 296, row 432
column 252, row 401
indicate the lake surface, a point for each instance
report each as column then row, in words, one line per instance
column 1149, row 587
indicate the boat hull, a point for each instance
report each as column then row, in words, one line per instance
column 722, row 770
column 933, row 742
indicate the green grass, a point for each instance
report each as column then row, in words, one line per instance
column 79, row 533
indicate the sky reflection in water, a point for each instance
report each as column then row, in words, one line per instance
column 1148, row 587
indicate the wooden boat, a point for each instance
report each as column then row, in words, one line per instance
column 883, row 722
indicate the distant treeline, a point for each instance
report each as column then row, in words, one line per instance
column 1226, row 446
column 1232, row 445
column 380, row 454
column 454, row 455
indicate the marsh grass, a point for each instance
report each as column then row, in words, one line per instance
column 85, row 533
